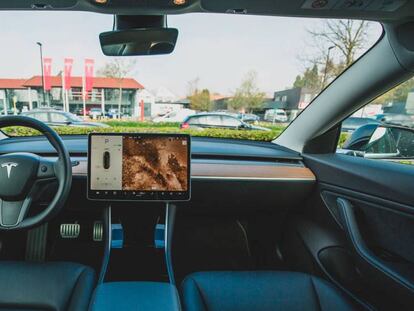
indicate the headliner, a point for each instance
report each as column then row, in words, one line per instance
column 370, row 10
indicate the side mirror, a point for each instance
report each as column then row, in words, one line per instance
column 376, row 141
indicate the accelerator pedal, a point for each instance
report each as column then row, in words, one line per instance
column 98, row 231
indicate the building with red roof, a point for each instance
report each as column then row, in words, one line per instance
column 26, row 94
column 12, row 84
column 76, row 82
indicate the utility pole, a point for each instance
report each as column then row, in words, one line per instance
column 325, row 73
column 41, row 65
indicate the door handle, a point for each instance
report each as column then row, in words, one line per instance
column 385, row 276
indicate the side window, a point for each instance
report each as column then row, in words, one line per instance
column 214, row 120
column 58, row 117
column 384, row 129
column 194, row 120
column 41, row 116
column 233, row 122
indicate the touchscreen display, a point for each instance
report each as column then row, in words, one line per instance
column 139, row 167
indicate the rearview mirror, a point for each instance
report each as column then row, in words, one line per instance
column 141, row 41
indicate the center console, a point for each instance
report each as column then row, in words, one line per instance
column 135, row 168
column 132, row 296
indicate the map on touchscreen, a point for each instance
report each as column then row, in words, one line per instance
column 139, row 163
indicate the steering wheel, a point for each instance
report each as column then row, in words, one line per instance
column 22, row 175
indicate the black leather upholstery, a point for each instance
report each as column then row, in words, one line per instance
column 134, row 296
column 53, row 286
column 251, row 291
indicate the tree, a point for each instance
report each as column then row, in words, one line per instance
column 310, row 79
column 118, row 69
column 348, row 36
column 200, row 100
column 192, row 86
column 397, row 94
column 247, row 96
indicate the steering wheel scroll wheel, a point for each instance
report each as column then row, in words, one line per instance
column 23, row 174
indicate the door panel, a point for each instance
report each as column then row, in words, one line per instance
column 371, row 203
column 380, row 179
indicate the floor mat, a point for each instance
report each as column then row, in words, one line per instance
column 207, row 244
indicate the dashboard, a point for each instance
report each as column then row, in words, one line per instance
column 211, row 158
column 223, row 171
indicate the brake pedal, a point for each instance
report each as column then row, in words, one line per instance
column 70, row 231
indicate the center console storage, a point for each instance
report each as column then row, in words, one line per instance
column 132, row 296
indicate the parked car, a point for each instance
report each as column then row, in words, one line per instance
column 112, row 113
column 248, row 117
column 352, row 123
column 60, row 118
column 395, row 118
column 275, row 115
column 95, row 112
column 175, row 116
column 10, row 112
column 218, row 120
column 79, row 111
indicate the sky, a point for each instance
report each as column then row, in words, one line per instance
column 217, row 49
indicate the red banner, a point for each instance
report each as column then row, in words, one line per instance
column 89, row 66
column 47, row 73
column 68, row 73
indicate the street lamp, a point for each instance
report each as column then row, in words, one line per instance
column 41, row 65
column 326, row 66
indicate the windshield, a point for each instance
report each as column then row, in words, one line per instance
column 261, row 71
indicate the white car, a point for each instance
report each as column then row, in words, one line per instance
column 175, row 116
column 276, row 115
column 94, row 113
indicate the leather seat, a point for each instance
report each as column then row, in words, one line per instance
column 251, row 291
column 53, row 286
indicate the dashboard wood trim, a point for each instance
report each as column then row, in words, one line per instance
column 232, row 171
column 246, row 172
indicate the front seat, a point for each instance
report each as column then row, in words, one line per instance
column 57, row 286
column 261, row 291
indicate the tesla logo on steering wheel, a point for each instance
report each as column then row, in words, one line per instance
column 9, row 167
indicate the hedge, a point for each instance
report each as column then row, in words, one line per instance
column 342, row 138
column 219, row 133
column 115, row 123
column 163, row 128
